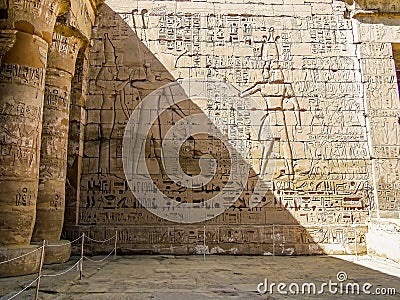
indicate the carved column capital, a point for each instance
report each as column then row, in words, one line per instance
column 64, row 49
column 34, row 16
column 80, row 17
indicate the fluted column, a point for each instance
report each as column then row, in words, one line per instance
column 26, row 31
column 50, row 205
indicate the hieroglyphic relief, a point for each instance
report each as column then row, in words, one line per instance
column 275, row 90
column 380, row 82
column 34, row 87
column 300, row 67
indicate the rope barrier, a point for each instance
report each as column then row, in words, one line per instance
column 78, row 264
column 64, row 272
column 24, row 289
column 49, row 245
column 65, row 244
column 105, row 241
column 18, row 257
column 101, row 260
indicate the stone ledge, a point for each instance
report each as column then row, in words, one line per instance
column 25, row 265
column 56, row 252
column 383, row 238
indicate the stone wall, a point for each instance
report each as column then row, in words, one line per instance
column 198, row 126
column 383, row 238
column 307, row 98
column 380, row 86
column 378, row 35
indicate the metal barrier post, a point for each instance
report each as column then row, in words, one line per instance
column 355, row 241
column 40, row 270
column 81, row 263
column 115, row 244
column 273, row 240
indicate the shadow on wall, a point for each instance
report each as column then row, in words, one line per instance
column 122, row 72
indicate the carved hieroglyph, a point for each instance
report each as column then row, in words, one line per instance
column 25, row 35
column 53, row 159
column 379, row 61
column 26, row 30
column 298, row 61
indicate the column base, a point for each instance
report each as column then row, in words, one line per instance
column 56, row 252
column 25, row 265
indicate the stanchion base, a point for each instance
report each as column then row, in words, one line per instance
column 25, row 265
column 56, row 252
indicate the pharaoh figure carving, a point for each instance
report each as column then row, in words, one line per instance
column 156, row 133
column 277, row 93
column 107, row 81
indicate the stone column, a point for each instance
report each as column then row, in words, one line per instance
column 50, row 205
column 77, row 121
column 26, row 30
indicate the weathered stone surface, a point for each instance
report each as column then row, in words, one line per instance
column 21, row 98
column 310, row 83
column 227, row 239
column 378, row 59
column 383, row 238
column 26, row 33
column 51, row 193
column 56, row 252
column 291, row 152
column 27, row 264
column 372, row 8
column 33, row 17
column 76, row 137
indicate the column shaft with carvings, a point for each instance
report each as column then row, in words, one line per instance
column 53, row 156
column 26, row 30
column 76, row 138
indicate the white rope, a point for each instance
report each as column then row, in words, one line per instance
column 67, row 270
column 37, row 249
column 24, row 289
column 60, row 245
column 62, row 273
column 101, row 260
column 320, row 225
column 97, row 241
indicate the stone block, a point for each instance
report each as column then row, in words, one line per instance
column 56, row 252
column 383, row 238
column 27, row 264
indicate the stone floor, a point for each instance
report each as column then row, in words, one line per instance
column 216, row 277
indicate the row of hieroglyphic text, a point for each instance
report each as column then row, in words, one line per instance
column 195, row 42
column 229, row 239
